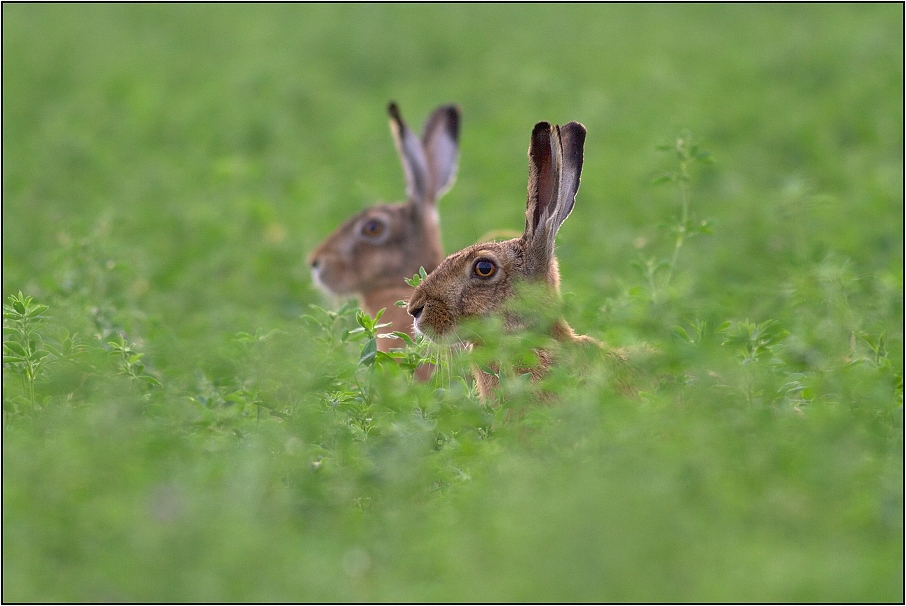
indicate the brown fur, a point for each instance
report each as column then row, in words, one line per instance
column 454, row 291
column 351, row 262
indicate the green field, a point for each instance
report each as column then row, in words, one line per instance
column 175, row 430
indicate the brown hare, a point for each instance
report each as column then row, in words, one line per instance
column 483, row 278
column 370, row 254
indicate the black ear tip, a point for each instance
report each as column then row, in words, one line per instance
column 573, row 135
column 453, row 118
column 541, row 139
column 394, row 111
column 578, row 126
column 541, row 127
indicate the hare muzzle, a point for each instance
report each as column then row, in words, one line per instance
column 430, row 316
column 415, row 308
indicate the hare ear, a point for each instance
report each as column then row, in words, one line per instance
column 543, row 177
column 440, row 142
column 411, row 155
column 572, row 144
column 555, row 164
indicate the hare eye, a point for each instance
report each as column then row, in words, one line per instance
column 485, row 268
column 373, row 228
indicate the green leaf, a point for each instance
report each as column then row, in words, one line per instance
column 418, row 278
column 15, row 348
column 681, row 332
column 364, row 320
column 392, row 357
column 488, row 370
column 36, row 311
column 404, row 336
column 369, row 351
column 637, row 291
column 150, row 380
column 663, row 179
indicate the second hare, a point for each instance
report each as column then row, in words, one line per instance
column 483, row 278
column 371, row 253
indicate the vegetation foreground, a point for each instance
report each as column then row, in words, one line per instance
column 185, row 418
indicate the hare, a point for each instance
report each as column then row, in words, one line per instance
column 371, row 253
column 483, row 278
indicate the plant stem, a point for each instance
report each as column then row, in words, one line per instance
column 652, row 283
column 684, row 220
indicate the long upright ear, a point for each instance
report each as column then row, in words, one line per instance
column 572, row 144
column 440, row 142
column 555, row 165
column 415, row 166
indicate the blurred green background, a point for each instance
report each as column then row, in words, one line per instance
column 166, row 169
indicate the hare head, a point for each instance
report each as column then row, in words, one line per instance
column 371, row 253
column 484, row 278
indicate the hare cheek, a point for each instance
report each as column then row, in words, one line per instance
column 481, row 298
column 316, row 277
column 319, row 281
column 329, row 276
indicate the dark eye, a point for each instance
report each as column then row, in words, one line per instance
column 485, row 268
column 372, row 228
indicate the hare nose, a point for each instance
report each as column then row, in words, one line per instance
column 314, row 264
column 416, row 312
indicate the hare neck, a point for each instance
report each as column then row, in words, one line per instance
column 374, row 300
column 432, row 252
